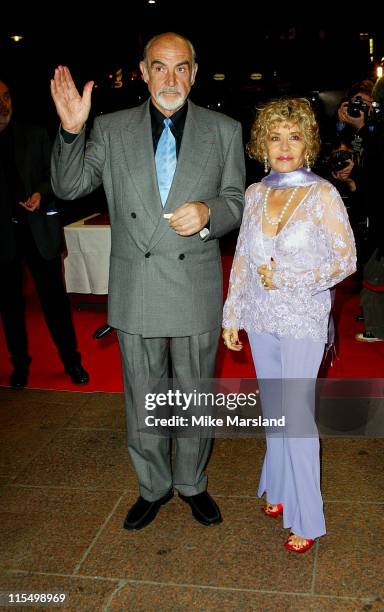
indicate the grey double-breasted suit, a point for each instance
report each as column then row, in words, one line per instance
column 161, row 285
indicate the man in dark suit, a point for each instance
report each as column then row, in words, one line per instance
column 173, row 173
column 30, row 232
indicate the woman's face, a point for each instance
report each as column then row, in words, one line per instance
column 285, row 147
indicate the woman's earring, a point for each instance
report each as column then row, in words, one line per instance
column 307, row 163
column 266, row 165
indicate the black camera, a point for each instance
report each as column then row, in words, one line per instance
column 339, row 160
column 357, row 106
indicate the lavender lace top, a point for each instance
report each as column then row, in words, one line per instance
column 314, row 251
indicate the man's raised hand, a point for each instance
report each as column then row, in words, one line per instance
column 72, row 108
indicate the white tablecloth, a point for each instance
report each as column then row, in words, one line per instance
column 87, row 263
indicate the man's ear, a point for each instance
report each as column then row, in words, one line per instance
column 193, row 74
column 144, row 71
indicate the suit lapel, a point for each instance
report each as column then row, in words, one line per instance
column 195, row 148
column 138, row 149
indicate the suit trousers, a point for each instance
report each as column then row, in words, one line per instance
column 145, row 361
column 287, row 369
column 48, row 278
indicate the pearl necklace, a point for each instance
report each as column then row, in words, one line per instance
column 283, row 210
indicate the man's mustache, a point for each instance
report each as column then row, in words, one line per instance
column 172, row 90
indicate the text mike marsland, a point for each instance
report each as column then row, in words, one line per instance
column 209, row 421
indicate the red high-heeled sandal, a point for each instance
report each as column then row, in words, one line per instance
column 300, row 549
column 272, row 513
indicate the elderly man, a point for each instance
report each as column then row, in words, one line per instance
column 174, row 177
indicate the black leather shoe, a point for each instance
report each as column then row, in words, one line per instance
column 78, row 375
column 19, row 377
column 143, row 512
column 204, row 508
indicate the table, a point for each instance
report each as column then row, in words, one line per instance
column 86, row 266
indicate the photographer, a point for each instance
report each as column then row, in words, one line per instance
column 341, row 170
column 353, row 113
column 372, row 295
column 373, row 166
column 354, row 163
column 360, row 122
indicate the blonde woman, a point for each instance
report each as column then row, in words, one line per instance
column 295, row 243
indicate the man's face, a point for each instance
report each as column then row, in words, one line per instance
column 169, row 73
column 5, row 106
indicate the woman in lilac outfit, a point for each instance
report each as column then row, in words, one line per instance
column 295, row 243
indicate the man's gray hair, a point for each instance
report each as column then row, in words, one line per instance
column 158, row 36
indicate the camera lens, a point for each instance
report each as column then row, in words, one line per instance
column 353, row 109
column 357, row 106
column 340, row 160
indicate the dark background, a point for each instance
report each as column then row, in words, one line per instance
column 313, row 49
column 318, row 51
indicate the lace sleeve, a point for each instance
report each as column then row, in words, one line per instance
column 235, row 304
column 335, row 231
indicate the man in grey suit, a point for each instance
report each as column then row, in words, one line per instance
column 173, row 189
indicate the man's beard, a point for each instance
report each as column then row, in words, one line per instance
column 170, row 104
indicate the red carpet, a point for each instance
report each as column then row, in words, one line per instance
column 101, row 358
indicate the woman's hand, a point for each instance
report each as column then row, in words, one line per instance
column 230, row 336
column 266, row 272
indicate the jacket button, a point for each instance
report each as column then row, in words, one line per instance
column 181, row 256
column 133, row 215
column 148, row 254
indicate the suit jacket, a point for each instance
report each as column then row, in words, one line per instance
column 160, row 284
column 32, row 150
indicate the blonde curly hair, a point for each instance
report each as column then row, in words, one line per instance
column 296, row 111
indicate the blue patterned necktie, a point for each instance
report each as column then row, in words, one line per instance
column 165, row 159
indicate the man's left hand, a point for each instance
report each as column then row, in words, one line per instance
column 189, row 218
column 356, row 122
column 344, row 175
column 33, row 202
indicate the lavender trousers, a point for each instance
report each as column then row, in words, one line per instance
column 291, row 469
